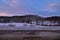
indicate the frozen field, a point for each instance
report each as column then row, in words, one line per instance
column 25, row 26
column 17, row 31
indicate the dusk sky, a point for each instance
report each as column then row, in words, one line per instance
column 25, row 7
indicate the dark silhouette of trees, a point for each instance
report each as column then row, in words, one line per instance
column 54, row 20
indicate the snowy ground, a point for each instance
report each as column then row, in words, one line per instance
column 6, row 28
column 25, row 26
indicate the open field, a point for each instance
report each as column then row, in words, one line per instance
column 22, row 32
column 29, row 34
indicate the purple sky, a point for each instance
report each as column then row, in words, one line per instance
column 35, row 7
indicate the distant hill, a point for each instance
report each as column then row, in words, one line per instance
column 25, row 18
column 53, row 18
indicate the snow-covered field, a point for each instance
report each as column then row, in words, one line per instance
column 25, row 26
column 6, row 28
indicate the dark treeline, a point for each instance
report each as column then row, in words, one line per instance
column 25, row 18
column 30, row 18
column 55, row 20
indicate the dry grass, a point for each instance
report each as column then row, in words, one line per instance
column 17, row 35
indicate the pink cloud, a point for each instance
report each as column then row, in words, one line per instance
column 51, row 7
column 14, row 7
column 5, row 14
column 13, row 3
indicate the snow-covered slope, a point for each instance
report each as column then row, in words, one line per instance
column 25, row 26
